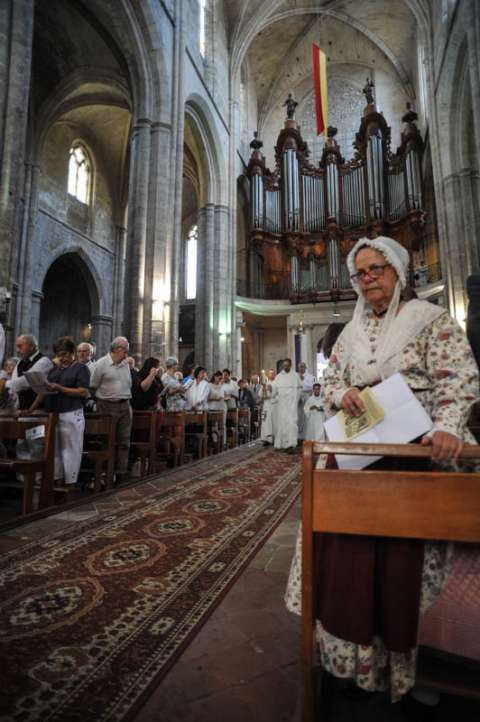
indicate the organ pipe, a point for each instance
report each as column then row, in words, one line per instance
column 301, row 200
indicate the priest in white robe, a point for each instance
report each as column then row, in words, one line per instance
column 269, row 410
column 287, row 388
column 307, row 384
column 314, row 416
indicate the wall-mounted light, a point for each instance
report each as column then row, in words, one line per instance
column 242, row 339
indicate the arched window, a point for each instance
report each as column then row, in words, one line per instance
column 202, row 8
column 191, row 264
column 79, row 173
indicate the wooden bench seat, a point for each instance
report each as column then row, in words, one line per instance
column 405, row 504
column 13, row 429
column 144, row 440
column 99, row 447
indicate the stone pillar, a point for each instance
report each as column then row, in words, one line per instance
column 34, row 321
column 137, row 233
column 16, row 35
column 307, row 350
column 223, row 301
column 158, row 287
column 458, row 252
column 102, row 333
column 28, row 234
column 291, row 332
column 174, row 240
column 204, row 306
column 236, row 367
column 119, row 280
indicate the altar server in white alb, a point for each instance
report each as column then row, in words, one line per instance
column 307, row 384
column 287, row 388
column 269, row 410
column 314, row 416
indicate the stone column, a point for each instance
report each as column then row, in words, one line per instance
column 236, row 366
column 204, row 305
column 119, row 280
column 16, row 35
column 27, row 259
column 223, row 301
column 174, row 241
column 137, row 233
column 458, row 251
column 34, row 321
column 102, row 333
column 158, row 290
column 307, row 351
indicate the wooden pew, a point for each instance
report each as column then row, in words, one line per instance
column 196, row 431
column 244, row 428
column 232, row 428
column 416, row 505
column 99, row 447
column 13, row 429
column 143, row 440
column 171, row 434
column 216, row 423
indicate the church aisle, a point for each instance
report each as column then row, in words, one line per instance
column 243, row 665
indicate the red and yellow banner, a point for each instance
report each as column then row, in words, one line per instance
column 320, row 82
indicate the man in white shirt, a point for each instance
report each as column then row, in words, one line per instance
column 287, row 387
column 31, row 359
column 111, row 383
column 307, row 384
column 315, row 416
column 85, row 355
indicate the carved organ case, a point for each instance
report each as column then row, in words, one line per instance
column 305, row 219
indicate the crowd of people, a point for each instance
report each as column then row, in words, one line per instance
column 285, row 407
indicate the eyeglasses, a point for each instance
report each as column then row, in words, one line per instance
column 373, row 272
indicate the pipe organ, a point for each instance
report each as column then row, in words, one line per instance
column 305, row 218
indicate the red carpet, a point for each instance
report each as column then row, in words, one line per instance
column 91, row 616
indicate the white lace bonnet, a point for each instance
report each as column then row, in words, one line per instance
column 393, row 251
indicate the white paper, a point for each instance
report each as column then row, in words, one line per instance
column 36, row 432
column 37, row 380
column 405, row 420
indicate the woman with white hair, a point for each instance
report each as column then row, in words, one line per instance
column 371, row 591
column 174, row 391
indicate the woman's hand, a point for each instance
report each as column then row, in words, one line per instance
column 352, row 404
column 54, row 387
column 445, row 446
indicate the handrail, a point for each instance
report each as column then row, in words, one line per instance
column 414, row 451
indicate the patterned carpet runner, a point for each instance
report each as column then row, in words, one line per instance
column 93, row 615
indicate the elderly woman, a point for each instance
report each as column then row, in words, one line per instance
column 371, row 591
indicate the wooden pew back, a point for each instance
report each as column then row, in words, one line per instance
column 13, row 429
column 419, row 505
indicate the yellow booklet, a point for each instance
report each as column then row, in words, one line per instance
column 354, row 425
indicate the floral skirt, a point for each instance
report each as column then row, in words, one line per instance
column 372, row 665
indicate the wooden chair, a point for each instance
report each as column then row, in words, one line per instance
column 232, row 428
column 196, row 431
column 244, row 428
column 144, row 439
column 405, row 504
column 13, row 429
column 216, row 423
column 99, row 447
column 171, row 434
